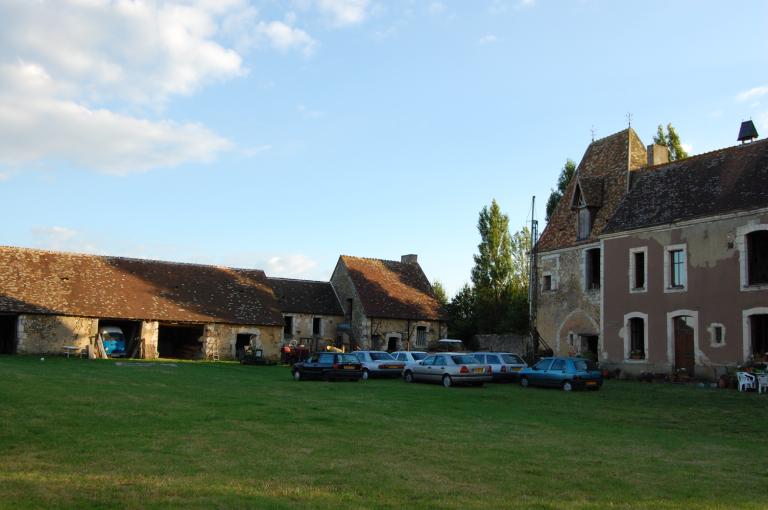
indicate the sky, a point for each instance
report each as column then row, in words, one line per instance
column 280, row 134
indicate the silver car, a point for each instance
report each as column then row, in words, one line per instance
column 410, row 358
column 379, row 363
column 449, row 368
column 505, row 365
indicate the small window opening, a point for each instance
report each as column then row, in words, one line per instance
column 636, row 338
column 316, row 322
column 677, row 268
column 288, row 326
column 547, row 282
column 593, row 269
column 639, row 277
column 757, row 257
column 421, row 336
column 718, row 335
column 584, row 223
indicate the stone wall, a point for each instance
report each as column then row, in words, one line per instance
column 44, row 334
column 405, row 332
column 345, row 290
column 302, row 327
column 224, row 336
column 510, row 342
column 569, row 309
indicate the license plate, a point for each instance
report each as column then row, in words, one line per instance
column 591, row 383
column 515, row 369
column 478, row 370
column 349, row 368
column 390, row 366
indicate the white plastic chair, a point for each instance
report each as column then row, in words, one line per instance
column 762, row 383
column 746, row 381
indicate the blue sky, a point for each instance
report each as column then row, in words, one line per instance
column 279, row 135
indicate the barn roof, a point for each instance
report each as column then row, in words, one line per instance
column 306, row 296
column 38, row 281
column 394, row 290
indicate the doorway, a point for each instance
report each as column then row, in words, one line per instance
column 8, row 333
column 392, row 343
column 759, row 329
column 180, row 342
column 684, row 349
column 589, row 346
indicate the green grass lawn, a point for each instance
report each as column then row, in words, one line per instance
column 90, row 434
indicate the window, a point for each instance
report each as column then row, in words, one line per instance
column 675, row 268
column 592, row 268
column 326, row 357
column 429, row 360
column 349, row 308
column 316, row 323
column 492, row 359
column 584, row 223
column 718, row 335
column 288, row 325
column 677, row 277
column 636, row 338
column 757, row 257
column 637, row 268
column 547, row 282
column 759, row 333
column 421, row 336
column 543, row 364
column 558, row 364
column 439, row 360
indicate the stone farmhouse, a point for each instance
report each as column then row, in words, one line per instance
column 50, row 301
column 658, row 266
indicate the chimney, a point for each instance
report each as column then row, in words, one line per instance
column 657, row 154
column 409, row 259
column 747, row 132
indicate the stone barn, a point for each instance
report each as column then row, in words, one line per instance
column 50, row 301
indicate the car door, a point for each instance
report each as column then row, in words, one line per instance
column 439, row 367
column 421, row 370
column 310, row 366
column 539, row 371
column 556, row 373
column 325, row 362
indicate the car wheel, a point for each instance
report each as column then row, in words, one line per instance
column 447, row 381
column 296, row 375
column 365, row 374
column 567, row 386
column 408, row 377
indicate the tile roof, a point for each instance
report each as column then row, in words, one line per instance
column 306, row 296
column 602, row 173
column 723, row 181
column 38, row 281
column 393, row 290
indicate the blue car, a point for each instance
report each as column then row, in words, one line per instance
column 566, row 373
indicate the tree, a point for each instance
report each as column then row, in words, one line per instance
column 440, row 294
column 566, row 173
column 671, row 141
column 462, row 323
column 493, row 264
column 521, row 260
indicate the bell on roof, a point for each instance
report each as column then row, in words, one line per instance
column 747, row 133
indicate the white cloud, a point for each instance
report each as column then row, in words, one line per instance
column 488, row 39
column 58, row 238
column 36, row 124
column 687, row 147
column 74, row 79
column 289, row 266
column 308, row 113
column 345, row 12
column 284, row 37
column 752, row 93
column 436, row 8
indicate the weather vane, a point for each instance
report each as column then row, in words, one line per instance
column 629, row 119
column 593, row 132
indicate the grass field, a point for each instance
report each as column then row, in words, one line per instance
column 91, row 434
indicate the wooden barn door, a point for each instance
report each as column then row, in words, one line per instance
column 684, row 355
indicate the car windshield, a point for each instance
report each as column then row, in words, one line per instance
column 381, row 356
column 584, row 364
column 110, row 335
column 463, row 359
column 512, row 358
column 418, row 356
column 348, row 358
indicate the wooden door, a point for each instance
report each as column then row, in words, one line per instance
column 684, row 353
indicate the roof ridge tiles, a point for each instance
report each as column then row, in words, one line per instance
column 708, row 153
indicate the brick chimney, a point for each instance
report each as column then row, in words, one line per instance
column 409, row 259
column 657, row 154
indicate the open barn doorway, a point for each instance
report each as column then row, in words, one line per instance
column 180, row 341
column 121, row 338
column 8, row 333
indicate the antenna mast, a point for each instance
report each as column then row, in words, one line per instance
column 533, row 282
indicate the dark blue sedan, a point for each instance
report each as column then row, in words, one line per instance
column 565, row 373
column 329, row 366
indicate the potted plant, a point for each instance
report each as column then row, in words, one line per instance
column 636, row 354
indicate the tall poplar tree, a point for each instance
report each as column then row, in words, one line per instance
column 671, row 141
column 566, row 173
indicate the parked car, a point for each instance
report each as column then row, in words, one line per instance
column 565, row 373
column 410, row 358
column 446, row 345
column 449, row 368
column 328, row 366
column 113, row 339
column 379, row 364
column 505, row 365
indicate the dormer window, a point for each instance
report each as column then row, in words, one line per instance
column 584, row 226
column 587, row 200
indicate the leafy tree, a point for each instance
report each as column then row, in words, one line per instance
column 566, row 173
column 462, row 323
column 493, row 264
column 521, row 260
column 671, row 141
column 440, row 294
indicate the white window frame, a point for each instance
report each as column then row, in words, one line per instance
column 741, row 244
column 671, row 335
column 713, row 338
column 668, row 268
column 632, row 268
column 747, row 328
column 628, row 337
